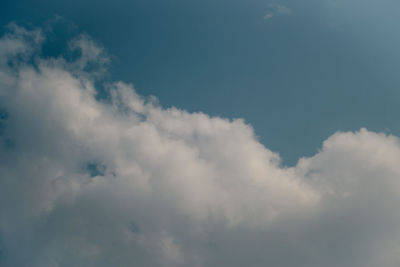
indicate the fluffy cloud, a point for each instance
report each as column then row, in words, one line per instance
column 123, row 181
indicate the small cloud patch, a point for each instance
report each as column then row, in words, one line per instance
column 276, row 10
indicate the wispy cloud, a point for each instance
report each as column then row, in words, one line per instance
column 277, row 9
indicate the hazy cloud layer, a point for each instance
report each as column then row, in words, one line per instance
column 125, row 182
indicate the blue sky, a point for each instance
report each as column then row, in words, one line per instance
column 297, row 77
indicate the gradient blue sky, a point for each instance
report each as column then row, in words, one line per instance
column 297, row 76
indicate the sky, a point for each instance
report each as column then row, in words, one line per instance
column 199, row 133
column 297, row 71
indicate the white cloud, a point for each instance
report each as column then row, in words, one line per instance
column 277, row 9
column 269, row 15
column 126, row 182
column 281, row 9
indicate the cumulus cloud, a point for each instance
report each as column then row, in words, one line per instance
column 123, row 181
